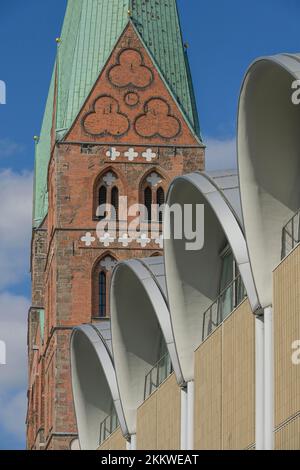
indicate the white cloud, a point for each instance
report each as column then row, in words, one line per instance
column 15, row 225
column 15, row 233
column 13, row 326
column 13, row 375
column 8, row 148
column 220, row 154
column 13, row 414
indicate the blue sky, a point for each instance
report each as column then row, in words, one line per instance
column 224, row 38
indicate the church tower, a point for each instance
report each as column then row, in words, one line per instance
column 120, row 120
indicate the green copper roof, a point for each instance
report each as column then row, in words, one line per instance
column 42, row 156
column 90, row 31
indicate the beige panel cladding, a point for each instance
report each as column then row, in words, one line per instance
column 208, row 393
column 115, row 441
column 288, row 436
column 286, row 331
column 158, row 418
column 168, row 415
column 238, row 391
column 225, row 384
column 146, row 434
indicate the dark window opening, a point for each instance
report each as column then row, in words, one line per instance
column 160, row 200
column 148, row 203
column 102, row 199
column 115, row 200
column 102, row 294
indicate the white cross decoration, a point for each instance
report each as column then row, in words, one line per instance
column 106, row 239
column 109, row 179
column 108, row 263
column 125, row 240
column 160, row 241
column 131, row 154
column 143, row 240
column 113, row 154
column 88, row 239
column 149, row 155
column 154, row 179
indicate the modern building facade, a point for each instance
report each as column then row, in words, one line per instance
column 228, row 375
column 120, row 121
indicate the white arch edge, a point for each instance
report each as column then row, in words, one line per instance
column 290, row 64
column 160, row 307
column 229, row 224
column 99, row 345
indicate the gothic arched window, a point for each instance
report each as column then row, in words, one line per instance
column 153, row 195
column 101, row 283
column 107, row 190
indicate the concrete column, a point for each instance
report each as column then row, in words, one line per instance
column 190, row 414
column 131, row 445
column 269, row 379
column 259, row 383
column 183, row 421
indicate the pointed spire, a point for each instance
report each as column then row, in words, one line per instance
column 90, row 31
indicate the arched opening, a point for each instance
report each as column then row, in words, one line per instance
column 152, row 189
column 101, row 279
column 107, row 190
column 142, row 336
column 202, row 282
column 269, row 163
column 95, row 392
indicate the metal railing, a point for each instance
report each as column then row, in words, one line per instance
column 224, row 304
column 290, row 235
column 157, row 375
column 108, row 426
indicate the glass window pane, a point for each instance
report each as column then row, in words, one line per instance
column 160, row 196
column 148, row 202
column 102, row 198
column 102, row 294
column 115, row 200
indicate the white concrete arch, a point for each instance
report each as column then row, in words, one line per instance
column 269, row 161
column 94, row 382
column 193, row 276
column 140, row 322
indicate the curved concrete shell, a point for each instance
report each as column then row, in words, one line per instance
column 140, row 325
column 269, row 161
column 193, row 277
column 95, row 390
